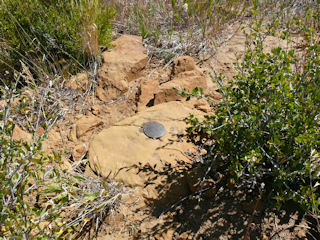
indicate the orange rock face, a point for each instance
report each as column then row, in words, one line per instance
column 121, row 65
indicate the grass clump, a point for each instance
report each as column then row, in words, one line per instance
column 173, row 28
column 59, row 36
column 266, row 128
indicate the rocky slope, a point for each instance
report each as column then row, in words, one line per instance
column 108, row 131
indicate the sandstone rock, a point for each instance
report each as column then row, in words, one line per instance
column 148, row 88
column 129, row 144
column 183, row 64
column 79, row 81
column 19, row 134
column 202, row 105
column 130, row 156
column 40, row 131
column 95, row 109
column 199, row 104
column 185, row 74
column 121, row 65
column 53, row 142
column 86, row 124
column 79, row 151
column 72, row 135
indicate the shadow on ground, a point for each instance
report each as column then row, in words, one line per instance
column 226, row 213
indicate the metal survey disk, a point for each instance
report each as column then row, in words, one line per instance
column 154, row 130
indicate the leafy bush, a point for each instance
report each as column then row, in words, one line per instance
column 267, row 126
column 23, row 168
column 55, row 34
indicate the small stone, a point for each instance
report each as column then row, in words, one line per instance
column 95, row 109
column 86, row 124
column 185, row 236
column 302, row 234
column 19, row 134
column 80, row 81
column 203, row 152
column 79, row 151
column 72, row 136
column 170, row 234
column 148, row 87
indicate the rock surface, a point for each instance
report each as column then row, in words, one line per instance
column 79, row 81
column 86, row 124
column 19, row 134
column 79, row 151
column 126, row 153
column 121, row 65
column 185, row 74
column 148, row 88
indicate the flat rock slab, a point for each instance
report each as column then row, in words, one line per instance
column 118, row 150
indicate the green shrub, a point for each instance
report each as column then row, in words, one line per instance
column 23, row 169
column 267, row 126
column 57, row 35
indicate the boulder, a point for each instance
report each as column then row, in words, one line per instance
column 185, row 74
column 121, row 65
column 124, row 152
